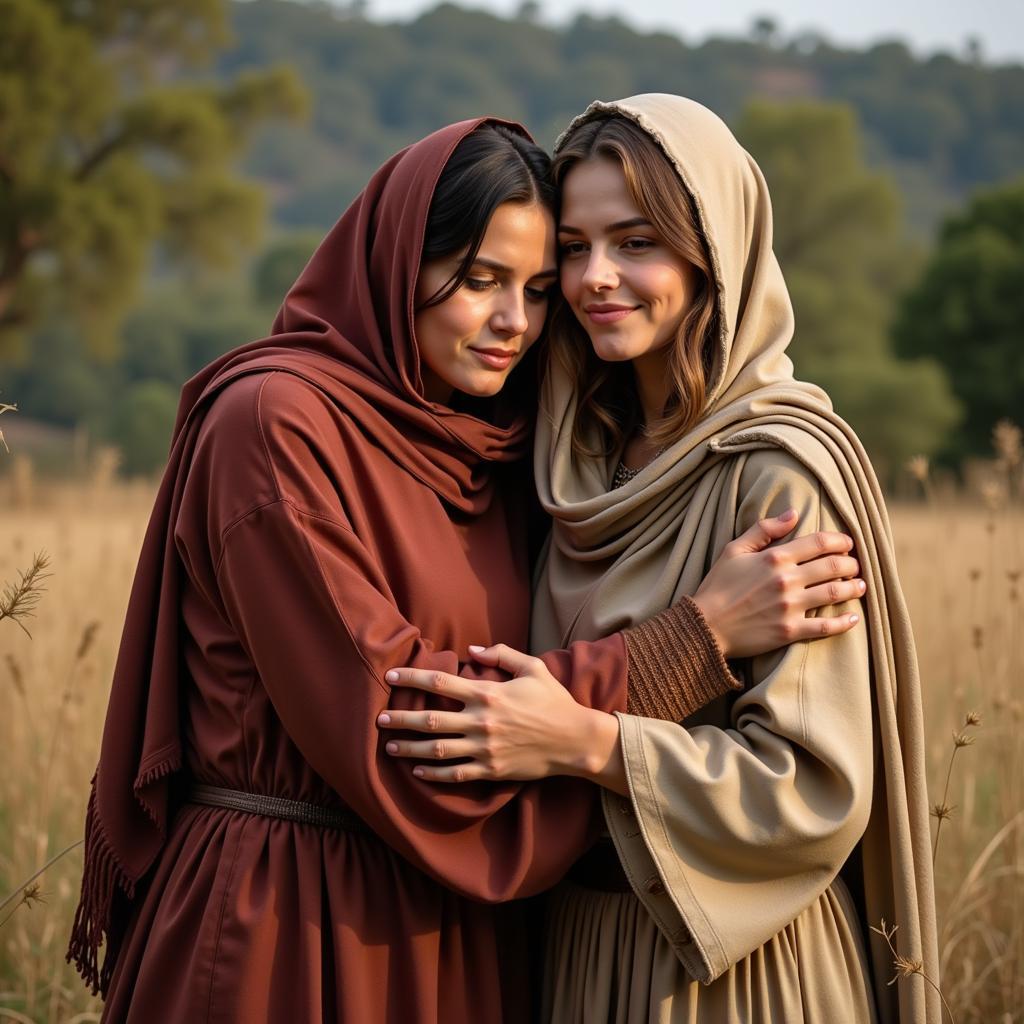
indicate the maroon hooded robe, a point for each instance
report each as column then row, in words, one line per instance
column 319, row 523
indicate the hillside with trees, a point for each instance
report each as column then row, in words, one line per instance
column 134, row 194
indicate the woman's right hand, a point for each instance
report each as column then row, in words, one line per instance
column 755, row 598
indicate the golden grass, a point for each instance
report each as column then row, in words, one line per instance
column 962, row 571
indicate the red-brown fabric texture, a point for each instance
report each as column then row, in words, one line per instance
column 320, row 522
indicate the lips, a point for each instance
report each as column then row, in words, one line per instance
column 495, row 358
column 607, row 312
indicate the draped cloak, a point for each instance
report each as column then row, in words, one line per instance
column 764, row 836
column 319, row 523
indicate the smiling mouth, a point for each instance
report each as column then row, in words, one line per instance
column 608, row 314
column 495, row 358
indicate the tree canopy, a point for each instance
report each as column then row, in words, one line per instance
column 967, row 312
column 103, row 154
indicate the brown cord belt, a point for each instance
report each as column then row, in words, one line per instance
column 600, row 868
column 276, row 807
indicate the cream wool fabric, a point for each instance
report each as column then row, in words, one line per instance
column 738, row 824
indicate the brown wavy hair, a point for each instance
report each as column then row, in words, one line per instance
column 608, row 398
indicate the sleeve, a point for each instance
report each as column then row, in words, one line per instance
column 730, row 833
column 311, row 607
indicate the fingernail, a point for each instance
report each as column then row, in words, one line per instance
column 392, row 676
column 384, row 719
column 862, row 585
column 855, row 619
column 789, row 514
column 476, row 648
column 391, row 748
column 418, row 772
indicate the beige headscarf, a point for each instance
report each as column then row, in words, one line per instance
column 618, row 556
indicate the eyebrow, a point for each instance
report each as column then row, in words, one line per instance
column 619, row 225
column 500, row 268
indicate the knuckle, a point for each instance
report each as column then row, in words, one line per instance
column 437, row 680
column 787, row 632
column 825, row 627
column 775, row 558
column 459, row 774
column 440, row 750
column 833, row 593
column 821, row 540
column 833, row 566
column 431, row 721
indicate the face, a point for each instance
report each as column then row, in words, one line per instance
column 473, row 340
column 628, row 289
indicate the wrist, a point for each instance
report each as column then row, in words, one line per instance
column 710, row 613
column 592, row 741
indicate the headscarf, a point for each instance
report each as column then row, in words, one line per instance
column 616, row 557
column 346, row 326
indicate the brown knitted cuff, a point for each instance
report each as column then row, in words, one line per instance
column 675, row 665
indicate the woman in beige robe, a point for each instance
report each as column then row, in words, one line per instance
column 760, row 840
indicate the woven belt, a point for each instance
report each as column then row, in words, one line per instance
column 276, row 807
column 600, row 868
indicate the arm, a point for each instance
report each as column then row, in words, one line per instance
column 530, row 728
column 284, row 546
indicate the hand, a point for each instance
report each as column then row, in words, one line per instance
column 756, row 598
column 528, row 727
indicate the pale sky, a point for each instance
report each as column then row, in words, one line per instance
column 925, row 26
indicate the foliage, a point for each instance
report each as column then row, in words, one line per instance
column 941, row 125
column 967, row 311
column 840, row 240
column 101, row 155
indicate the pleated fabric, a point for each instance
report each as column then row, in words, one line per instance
column 608, row 961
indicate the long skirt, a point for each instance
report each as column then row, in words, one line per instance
column 606, row 961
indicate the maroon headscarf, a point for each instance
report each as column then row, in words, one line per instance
column 346, row 326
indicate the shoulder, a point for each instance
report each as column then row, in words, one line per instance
column 264, row 406
column 269, row 436
column 772, row 480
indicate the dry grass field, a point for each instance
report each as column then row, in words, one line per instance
column 962, row 571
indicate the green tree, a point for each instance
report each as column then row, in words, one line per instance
column 140, row 425
column 840, row 240
column 101, row 156
column 280, row 264
column 967, row 312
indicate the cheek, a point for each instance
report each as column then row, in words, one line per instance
column 664, row 287
column 569, row 275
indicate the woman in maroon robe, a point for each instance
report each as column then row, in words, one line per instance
column 251, row 854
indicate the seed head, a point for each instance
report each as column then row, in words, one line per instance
column 972, row 718
column 88, row 635
column 942, row 811
column 961, row 739
column 17, row 678
column 1008, row 442
column 917, row 467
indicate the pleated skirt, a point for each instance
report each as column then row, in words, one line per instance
column 606, row 961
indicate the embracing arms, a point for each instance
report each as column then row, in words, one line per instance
column 754, row 599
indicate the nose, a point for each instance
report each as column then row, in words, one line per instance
column 510, row 318
column 600, row 273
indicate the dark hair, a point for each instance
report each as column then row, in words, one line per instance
column 492, row 165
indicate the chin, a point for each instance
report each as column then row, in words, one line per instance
column 483, row 387
column 611, row 349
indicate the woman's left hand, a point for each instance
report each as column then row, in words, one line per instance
column 528, row 727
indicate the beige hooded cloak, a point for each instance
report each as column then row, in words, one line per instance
column 764, row 837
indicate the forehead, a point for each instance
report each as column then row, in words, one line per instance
column 595, row 191
column 521, row 237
